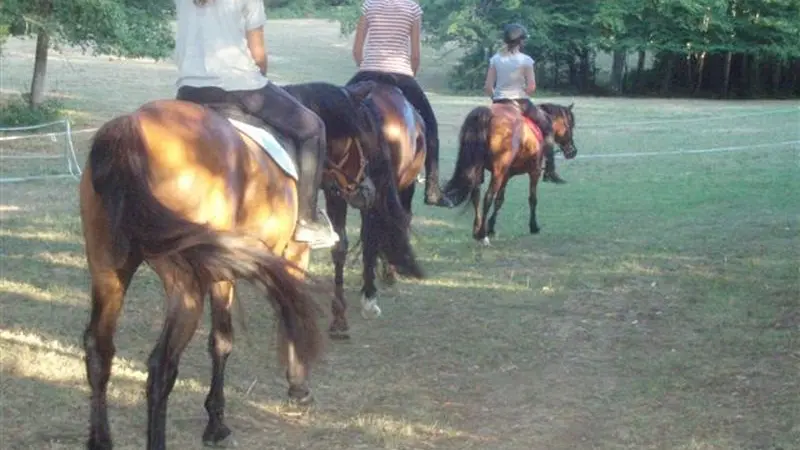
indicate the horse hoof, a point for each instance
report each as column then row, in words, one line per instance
column 339, row 335
column 535, row 230
column 369, row 308
column 389, row 280
column 485, row 242
column 304, row 400
column 226, row 442
column 99, row 444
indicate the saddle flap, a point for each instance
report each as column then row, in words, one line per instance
column 270, row 144
column 535, row 128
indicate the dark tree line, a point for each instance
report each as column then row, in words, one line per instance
column 719, row 48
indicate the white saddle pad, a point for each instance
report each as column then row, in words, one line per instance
column 270, row 145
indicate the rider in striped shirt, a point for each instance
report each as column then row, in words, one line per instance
column 387, row 50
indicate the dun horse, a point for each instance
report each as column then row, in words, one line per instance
column 502, row 141
column 176, row 185
column 393, row 133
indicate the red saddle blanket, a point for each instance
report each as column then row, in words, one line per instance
column 535, row 128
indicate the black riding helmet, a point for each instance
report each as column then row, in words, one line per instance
column 514, row 33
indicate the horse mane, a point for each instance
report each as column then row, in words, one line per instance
column 332, row 104
column 344, row 117
column 554, row 110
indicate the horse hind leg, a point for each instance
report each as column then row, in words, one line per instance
column 108, row 291
column 369, row 253
column 337, row 211
column 533, row 225
column 498, row 203
column 109, row 283
column 297, row 372
column 388, row 272
column 480, row 233
column 220, row 345
column 184, row 309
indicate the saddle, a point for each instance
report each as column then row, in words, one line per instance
column 524, row 107
column 279, row 148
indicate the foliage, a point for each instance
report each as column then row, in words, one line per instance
column 689, row 39
column 128, row 28
column 4, row 32
column 16, row 112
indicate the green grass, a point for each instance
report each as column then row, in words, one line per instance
column 657, row 309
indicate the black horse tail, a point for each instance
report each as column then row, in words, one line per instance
column 387, row 223
column 139, row 223
column 473, row 150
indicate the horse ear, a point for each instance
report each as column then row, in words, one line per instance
column 570, row 106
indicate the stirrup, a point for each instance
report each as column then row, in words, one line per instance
column 325, row 221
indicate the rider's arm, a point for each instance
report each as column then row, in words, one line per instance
column 415, row 45
column 491, row 78
column 254, row 20
column 530, row 78
column 258, row 48
column 358, row 44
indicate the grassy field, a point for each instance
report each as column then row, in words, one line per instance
column 657, row 309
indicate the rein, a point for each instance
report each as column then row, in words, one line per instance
column 336, row 168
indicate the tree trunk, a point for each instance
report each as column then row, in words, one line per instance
column 573, row 72
column 39, row 69
column 666, row 82
column 726, row 74
column 555, row 72
column 755, row 75
column 776, row 76
column 617, row 71
column 586, row 71
column 701, row 66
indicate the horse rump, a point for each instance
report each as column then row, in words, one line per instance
column 139, row 222
column 473, row 143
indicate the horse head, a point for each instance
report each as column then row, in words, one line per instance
column 563, row 125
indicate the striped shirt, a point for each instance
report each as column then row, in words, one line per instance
column 388, row 45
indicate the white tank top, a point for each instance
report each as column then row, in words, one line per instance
column 211, row 44
column 510, row 68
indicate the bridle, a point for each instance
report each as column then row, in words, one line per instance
column 335, row 169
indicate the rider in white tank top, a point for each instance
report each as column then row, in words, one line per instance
column 511, row 79
column 510, row 82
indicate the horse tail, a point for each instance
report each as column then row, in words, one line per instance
column 473, row 149
column 138, row 222
column 387, row 223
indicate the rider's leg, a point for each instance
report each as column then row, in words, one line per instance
column 280, row 110
column 416, row 96
column 544, row 122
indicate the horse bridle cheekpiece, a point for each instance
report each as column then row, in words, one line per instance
column 358, row 191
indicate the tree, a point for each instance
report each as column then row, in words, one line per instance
column 128, row 28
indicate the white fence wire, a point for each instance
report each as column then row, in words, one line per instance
column 74, row 169
column 71, row 159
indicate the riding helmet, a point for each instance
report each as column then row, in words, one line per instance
column 514, row 32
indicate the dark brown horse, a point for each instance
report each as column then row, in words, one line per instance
column 394, row 134
column 175, row 185
column 503, row 142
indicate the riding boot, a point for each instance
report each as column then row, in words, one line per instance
column 313, row 225
column 550, row 167
column 545, row 124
